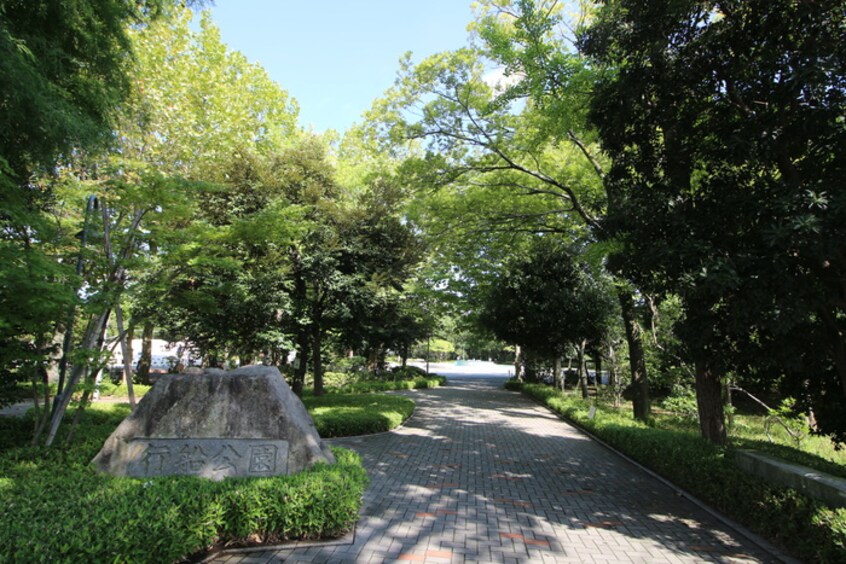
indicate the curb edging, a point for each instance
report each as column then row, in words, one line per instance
column 751, row 536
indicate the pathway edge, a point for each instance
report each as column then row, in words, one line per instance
column 750, row 535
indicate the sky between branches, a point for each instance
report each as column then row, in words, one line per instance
column 336, row 56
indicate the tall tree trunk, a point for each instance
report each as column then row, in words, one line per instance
column 556, row 372
column 126, row 350
column 637, row 360
column 373, row 359
column 518, row 358
column 727, row 402
column 68, row 337
column 612, row 374
column 40, row 383
column 93, row 338
column 301, row 363
column 89, row 341
column 317, row 352
column 145, row 360
column 299, row 301
column 381, row 354
column 597, row 362
column 583, row 377
column 528, row 367
column 709, row 401
column 91, row 388
column 838, row 343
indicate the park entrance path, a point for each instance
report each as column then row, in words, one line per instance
column 479, row 474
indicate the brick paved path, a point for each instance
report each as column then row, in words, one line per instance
column 479, row 474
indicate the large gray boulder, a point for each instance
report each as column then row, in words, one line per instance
column 246, row 422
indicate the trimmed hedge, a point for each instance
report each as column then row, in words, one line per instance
column 810, row 530
column 408, row 372
column 57, row 508
column 344, row 415
column 366, row 386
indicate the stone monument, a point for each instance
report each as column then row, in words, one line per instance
column 217, row 424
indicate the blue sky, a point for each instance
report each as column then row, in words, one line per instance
column 336, row 56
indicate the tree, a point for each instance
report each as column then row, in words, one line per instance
column 200, row 111
column 545, row 302
column 62, row 74
column 195, row 103
column 523, row 136
column 142, row 182
column 724, row 121
column 379, row 309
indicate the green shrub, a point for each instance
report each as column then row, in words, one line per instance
column 682, row 404
column 408, row 372
column 348, row 365
column 336, row 379
column 342, row 415
column 365, row 386
column 513, row 384
column 813, row 531
column 57, row 508
column 108, row 389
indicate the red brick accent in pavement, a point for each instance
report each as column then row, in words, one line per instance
column 571, row 504
column 537, row 542
column 517, row 536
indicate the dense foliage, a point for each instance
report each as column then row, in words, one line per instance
column 211, row 217
column 724, row 123
column 62, row 73
column 343, row 415
column 94, row 517
column 687, row 154
column 548, row 303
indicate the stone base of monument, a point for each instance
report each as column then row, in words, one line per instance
column 217, row 424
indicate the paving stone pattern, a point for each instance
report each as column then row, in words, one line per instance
column 479, row 474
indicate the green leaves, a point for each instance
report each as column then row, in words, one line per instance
column 99, row 518
column 722, row 125
column 545, row 301
column 195, row 103
column 343, row 415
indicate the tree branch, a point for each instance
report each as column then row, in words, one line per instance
column 578, row 142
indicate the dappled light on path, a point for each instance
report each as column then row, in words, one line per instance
column 479, row 474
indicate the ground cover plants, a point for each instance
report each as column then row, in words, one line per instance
column 802, row 526
column 56, row 508
column 363, row 381
column 341, row 415
column 366, row 386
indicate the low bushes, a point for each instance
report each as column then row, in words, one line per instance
column 409, row 372
column 342, row 415
column 56, row 508
column 120, row 390
column 365, row 386
column 514, row 385
column 809, row 529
